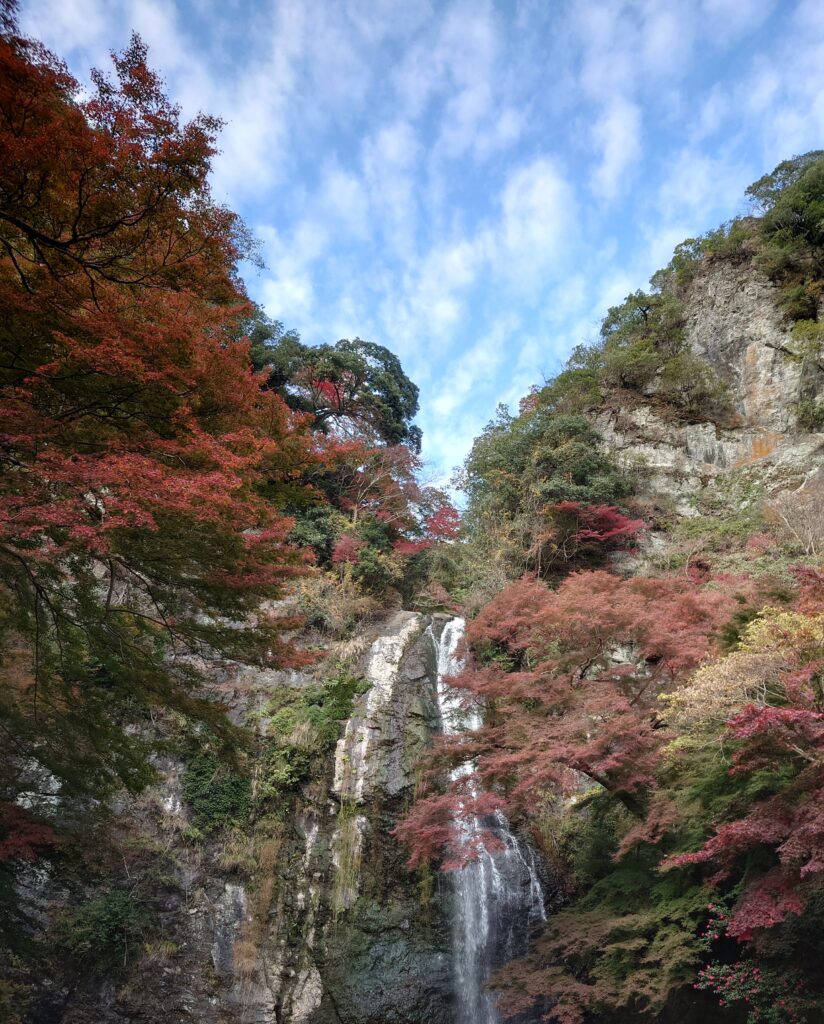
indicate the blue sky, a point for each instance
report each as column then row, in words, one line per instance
column 471, row 184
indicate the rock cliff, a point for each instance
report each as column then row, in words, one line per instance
column 328, row 926
column 732, row 322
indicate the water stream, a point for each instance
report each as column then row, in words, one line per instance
column 496, row 897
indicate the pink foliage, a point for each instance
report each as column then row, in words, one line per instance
column 599, row 525
column 346, row 549
column 574, row 675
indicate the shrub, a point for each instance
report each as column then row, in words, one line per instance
column 334, row 604
column 303, row 723
column 15, row 992
column 809, row 415
column 691, row 385
column 377, row 572
column 799, row 516
column 731, row 241
column 108, row 929
column 217, row 794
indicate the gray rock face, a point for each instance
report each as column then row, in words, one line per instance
column 226, row 917
column 383, row 957
column 393, row 719
column 350, row 941
column 733, row 323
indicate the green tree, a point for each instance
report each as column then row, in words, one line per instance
column 765, row 192
column 352, row 384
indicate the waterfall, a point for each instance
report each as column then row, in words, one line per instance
column 498, row 896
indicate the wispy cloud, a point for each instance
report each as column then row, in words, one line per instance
column 472, row 183
column 617, row 134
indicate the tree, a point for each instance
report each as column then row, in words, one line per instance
column 143, row 467
column 518, row 476
column 766, row 191
column 352, row 385
column 538, row 454
column 128, row 202
column 791, row 243
column 644, row 349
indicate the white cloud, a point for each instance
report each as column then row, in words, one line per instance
column 388, row 159
column 87, row 25
column 537, row 229
column 475, row 368
column 289, row 297
column 699, row 184
column 617, row 134
column 666, row 37
column 730, row 18
column 506, row 129
column 343, row 199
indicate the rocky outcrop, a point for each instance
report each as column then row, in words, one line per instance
column 335, row 930
column 733, row 322
column 393, row 719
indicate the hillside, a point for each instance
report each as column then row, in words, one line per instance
column 644, row 543
column 286, row 739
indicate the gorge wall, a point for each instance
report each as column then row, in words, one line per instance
column 323, row 924
column 317, row 920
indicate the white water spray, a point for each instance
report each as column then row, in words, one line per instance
column 498, row 895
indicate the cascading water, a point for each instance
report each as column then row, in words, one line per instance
column 498, row 896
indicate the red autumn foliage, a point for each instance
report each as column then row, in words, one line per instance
column 440, row 526
column 811, row 588
column 123, row 406
column 346, row 550
column 112, row 188
column 432, row 828
column 573, row 675
column 443, row 524
column 601, row 526
column 329, row 392
column 790, row 826
column 570, row 533
column 143, row 462
column 407, row 548
column 376, row 481
column 20, row 837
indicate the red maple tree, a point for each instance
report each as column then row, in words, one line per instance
column 570, row 678
column 143, row 464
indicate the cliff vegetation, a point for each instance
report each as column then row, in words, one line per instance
column 642, row 556
column 221, row 576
